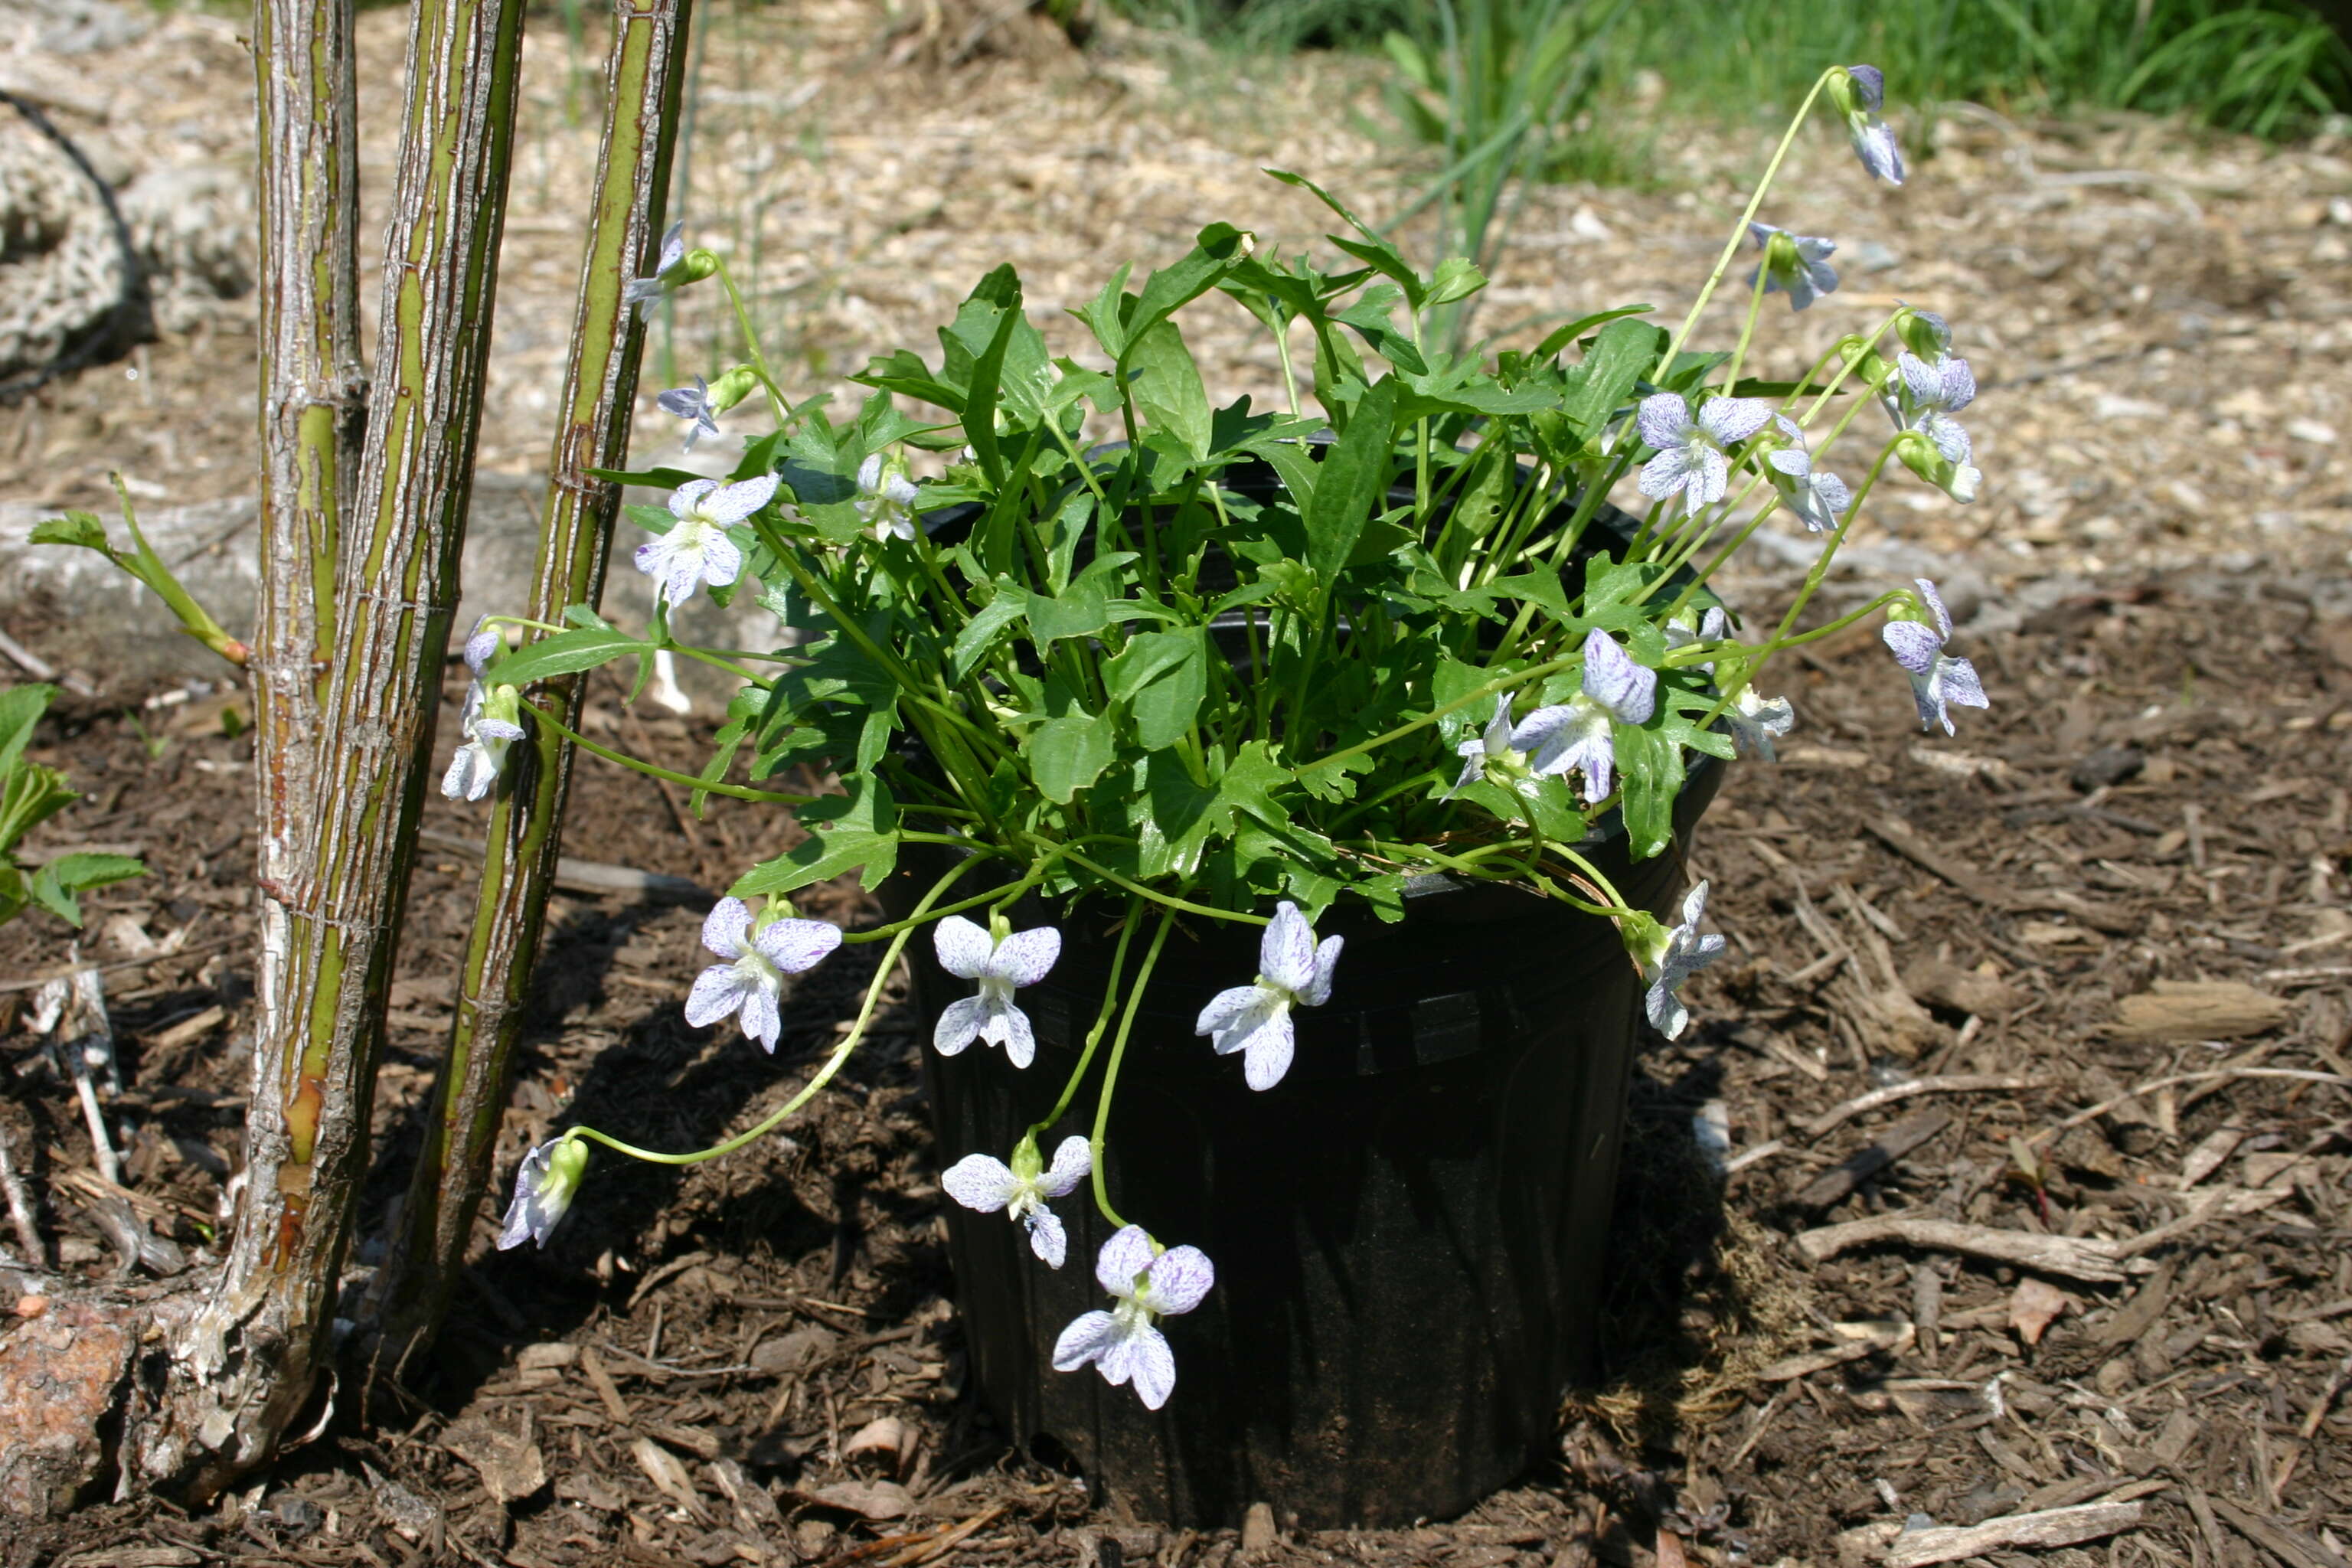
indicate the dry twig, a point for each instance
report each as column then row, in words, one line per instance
column 2055, row 1527
column 1952, row 1083
column 2087, row 1259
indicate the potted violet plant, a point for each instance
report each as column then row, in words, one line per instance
column 1280, row 808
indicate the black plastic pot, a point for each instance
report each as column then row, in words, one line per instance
column 1409, row 1231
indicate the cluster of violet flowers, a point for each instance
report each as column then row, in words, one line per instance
column 1700, row 449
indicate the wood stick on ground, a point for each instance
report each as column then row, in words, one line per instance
column 2055, row 1527
column 2303, row 1075
column 2289, row 1546
column 2076, row 1258
column 1891, row 1145
column 1954, row 1083
column 34, row 981
column 20, row 1208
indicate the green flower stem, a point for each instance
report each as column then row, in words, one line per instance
column 1748, row 328
column 1165, row 900
column 1821, row 568
column 774, row 1119
column 1870, row 346
column 1739, row 230
column 922, row 912
column 1477, row 694
column 1685, row 549
column 707, row 786
column 776, row 404
column 1101, row 1025
column 1117, row 1051
column 1747, row 676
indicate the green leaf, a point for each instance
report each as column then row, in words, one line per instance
column 1650, row 768
column 1080, row 610
column 1624, row 353
column 1106, row 316
column 1251, row 781
column 1388, row 262
column 1561, row 337
column 1068, row 754
column 1542, row 589
column 1185, row 818
column 21, row 707
column 77, row 528
column 845, row 833
column 1169, row 698
column 565, row 653
column 1457, row 278
column 55, row 885
column 1215, row 252
column 903, row 371
column 1166, row 385
column 1370, row 317
column 1351, row 480
column 982, row 332
column 985, row 630
column 651, row 479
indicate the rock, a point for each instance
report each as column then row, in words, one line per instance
column 59, row 1374
column 1257, row 1527
column 2108, row 766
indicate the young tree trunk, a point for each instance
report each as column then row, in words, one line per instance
column 340, row 803
column 644, row 82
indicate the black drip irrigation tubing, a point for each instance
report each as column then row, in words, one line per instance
column 122, row 322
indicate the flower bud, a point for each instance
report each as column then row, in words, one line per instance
column 693, row 268
column 1924, row 332
column 732, row 388
column 544, row 1187
column 1957, row 481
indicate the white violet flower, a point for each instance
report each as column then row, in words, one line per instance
column 1799, row 267
column 1688, row 630
column 691, row 404
column 1756, row 722
column 544, row 1184
column 987, row 1184
column 1815, row 495
column 1690, row 461
column 669, row 274
column 1937, row 679
column 1678, row 954
column 491, row 722
column 1490, row 755
column 1859, row 92
column 1578, row 735
column 696, row 549
column 969, row 951
column 1145, row 1284
column 1292, row 971
column 752, row 979
column 885, row 497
